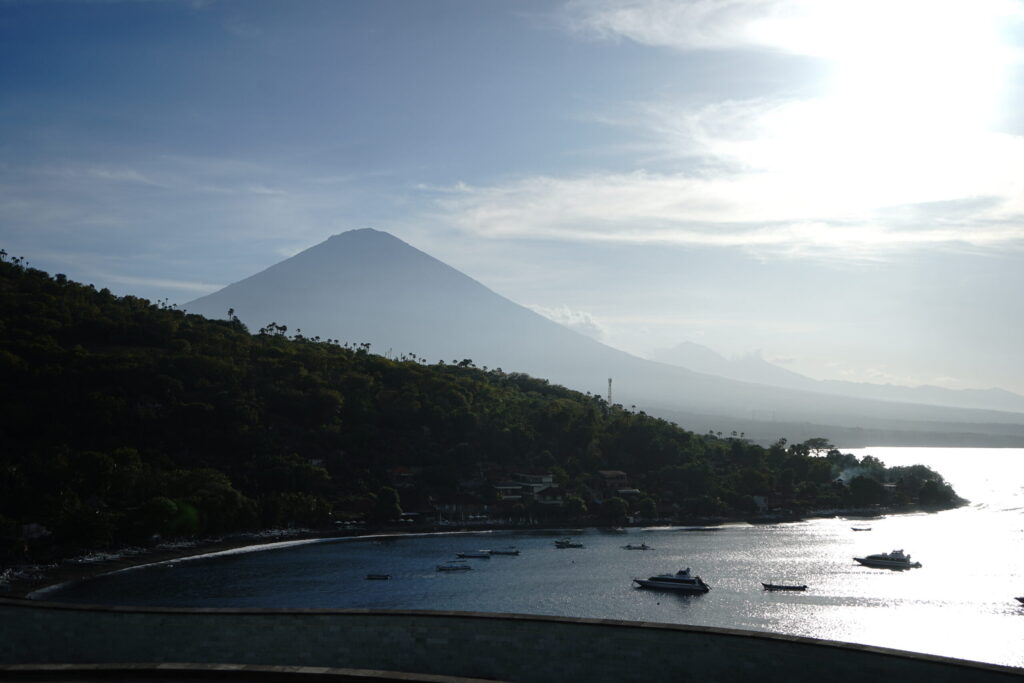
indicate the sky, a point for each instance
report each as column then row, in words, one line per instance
column 838, row 186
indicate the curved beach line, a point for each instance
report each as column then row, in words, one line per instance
column 251, row 548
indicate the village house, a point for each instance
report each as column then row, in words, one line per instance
column 534, row 482
column 553, row 495
column 510, row 491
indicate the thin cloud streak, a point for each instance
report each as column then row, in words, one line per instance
column 177, row 285
column 645, row 207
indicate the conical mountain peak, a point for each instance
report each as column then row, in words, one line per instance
column 369, row 286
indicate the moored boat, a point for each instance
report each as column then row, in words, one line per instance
column 783, row 587
column 509, row 550
column 635, row 546
column 897, row 559
column 479, row 555
column 378, row 577
column 682, row 581
column 567, row 543
column 453, row 566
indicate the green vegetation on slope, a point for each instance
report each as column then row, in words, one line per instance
column 121, row 419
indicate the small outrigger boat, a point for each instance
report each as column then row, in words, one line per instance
column 378, row 577
column 635, row 546
column 454, row 566
column 783, row 587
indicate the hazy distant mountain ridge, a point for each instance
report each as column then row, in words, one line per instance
column 753, row 367
column 369, row 286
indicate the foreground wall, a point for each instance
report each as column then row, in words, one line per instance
column 497, row 646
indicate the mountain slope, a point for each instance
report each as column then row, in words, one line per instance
column 368, row 286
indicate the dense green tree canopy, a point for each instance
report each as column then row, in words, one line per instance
column 121, row 419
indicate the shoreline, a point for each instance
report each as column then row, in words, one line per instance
column 25, row 580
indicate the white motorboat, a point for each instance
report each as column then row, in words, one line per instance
column 682, row 581
column 897, row 559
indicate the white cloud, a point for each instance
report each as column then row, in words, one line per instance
column 696, row 24
column 900, row 131
column 831, row 29
column 754, row 211
column 580, row 321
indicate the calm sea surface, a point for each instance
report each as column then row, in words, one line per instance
column 960, row 603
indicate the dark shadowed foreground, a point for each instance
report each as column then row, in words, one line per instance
column 481, row 645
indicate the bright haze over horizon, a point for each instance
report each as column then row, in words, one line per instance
column 837, row 185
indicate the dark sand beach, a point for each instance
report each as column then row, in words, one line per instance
column 20, row 581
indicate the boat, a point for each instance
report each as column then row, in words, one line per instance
column 453, row 566
column 860, row 528
column 783, row 587
column 682, row 581
column 897, row 559
column 510, row 550
column 479, row 555
column 567, row 543
column 378, row 577
column 634, row 546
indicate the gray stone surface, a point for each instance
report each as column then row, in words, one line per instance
column 477, row 645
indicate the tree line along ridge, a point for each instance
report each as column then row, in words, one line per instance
column 123, row 420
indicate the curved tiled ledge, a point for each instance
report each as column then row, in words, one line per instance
column 446, row 643
column 218, row 673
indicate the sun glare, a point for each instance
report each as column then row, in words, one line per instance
column 908, row 112
column 917, row 66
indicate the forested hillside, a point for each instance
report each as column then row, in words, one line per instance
column 121, row 419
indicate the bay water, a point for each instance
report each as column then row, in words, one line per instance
column 960, row 603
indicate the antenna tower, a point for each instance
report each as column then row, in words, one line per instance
column 609, row 391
